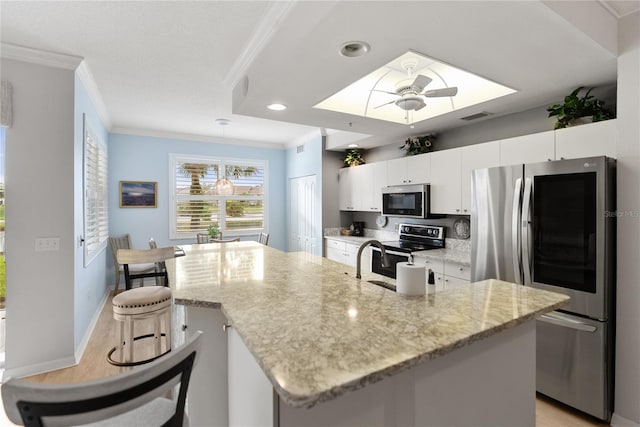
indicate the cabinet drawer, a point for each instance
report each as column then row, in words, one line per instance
column 353, row 249
column 336, row 244
column 457, row 270
column 437, row 266
column 451, row 282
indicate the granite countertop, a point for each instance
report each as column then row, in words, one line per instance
column 317, row 332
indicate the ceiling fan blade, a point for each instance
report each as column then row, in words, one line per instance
column 382, row 105
column 447, row 91
column 384, row 91
column 420, row 83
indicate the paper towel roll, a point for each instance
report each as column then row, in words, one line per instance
column 410, row 279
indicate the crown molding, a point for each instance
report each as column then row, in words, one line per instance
column 84, row 74
column 40, row 57
column 198, row 138
column 267, row 26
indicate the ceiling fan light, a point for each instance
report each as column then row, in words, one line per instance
column 410, row 103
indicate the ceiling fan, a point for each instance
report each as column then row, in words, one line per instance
column 411, row 93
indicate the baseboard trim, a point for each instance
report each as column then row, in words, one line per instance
column 38, row 368
column 82, row 346
column 620, row 421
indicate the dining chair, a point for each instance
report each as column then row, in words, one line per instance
column 264, row 238
column 236, row 239
column 133, row 257
column 160, row 266
column 144, row 396
column 202, row 237
column 124, row 242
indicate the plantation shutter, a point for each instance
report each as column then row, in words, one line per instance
column 96, row 214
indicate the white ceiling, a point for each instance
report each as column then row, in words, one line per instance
column 171, row 67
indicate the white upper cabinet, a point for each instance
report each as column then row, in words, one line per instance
column 360, row 187
column 445, row 181
column 479, row 156
column 345, row 202
column 590, row 140
column 409, row 170
column 538, row 147
column 451, row 175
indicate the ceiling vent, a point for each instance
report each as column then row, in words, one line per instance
column 476, row 116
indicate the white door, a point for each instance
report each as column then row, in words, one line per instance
column 302, row 213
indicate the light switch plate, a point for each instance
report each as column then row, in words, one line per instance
column 44, row 244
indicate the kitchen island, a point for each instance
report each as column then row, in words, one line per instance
column 340, row 351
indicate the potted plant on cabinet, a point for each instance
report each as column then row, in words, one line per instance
column 353, row 158
column 578, row 107
column 418, row 145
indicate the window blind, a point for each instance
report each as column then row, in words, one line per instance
column 227, row 192
column 96, row 214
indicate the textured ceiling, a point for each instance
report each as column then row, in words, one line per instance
column 171, row 67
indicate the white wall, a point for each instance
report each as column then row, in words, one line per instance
column 40, row 203
column 627, row 394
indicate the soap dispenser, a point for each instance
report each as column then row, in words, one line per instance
column 432, row 278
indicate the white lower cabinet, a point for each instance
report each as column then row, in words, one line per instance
column 347, row 253
column 251, row 395
column 207, row 401
column 447, row 274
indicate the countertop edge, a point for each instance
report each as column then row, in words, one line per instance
column 312, row 400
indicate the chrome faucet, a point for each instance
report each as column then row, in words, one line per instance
column 385, row 259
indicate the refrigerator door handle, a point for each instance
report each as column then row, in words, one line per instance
column 526, row 228
column 515, row 232
column 559, row 320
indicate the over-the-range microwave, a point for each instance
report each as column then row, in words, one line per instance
column 411, row 201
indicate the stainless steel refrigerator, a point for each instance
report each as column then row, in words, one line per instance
column 551, row 226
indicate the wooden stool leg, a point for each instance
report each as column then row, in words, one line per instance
column 157, row 334
column 129, row 339
column 167, row 327
column 120, row 340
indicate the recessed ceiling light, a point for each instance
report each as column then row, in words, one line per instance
column 277, row 107
column 352, row 145
column 223, row 122
column 354, row 49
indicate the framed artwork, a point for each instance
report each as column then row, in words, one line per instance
column 138, row 194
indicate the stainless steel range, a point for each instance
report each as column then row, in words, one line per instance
column 411, row 238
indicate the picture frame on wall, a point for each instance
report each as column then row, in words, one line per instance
column 138, row 194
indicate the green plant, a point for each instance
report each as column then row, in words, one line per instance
column 235, row 208
column 353, row 158
column 417, row 145
column 575, row 106
column 214, row 231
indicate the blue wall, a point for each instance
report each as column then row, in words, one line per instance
column 144, row 158
column 90, row 283
column 308, row 162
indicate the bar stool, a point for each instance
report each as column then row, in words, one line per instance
column 135, row 305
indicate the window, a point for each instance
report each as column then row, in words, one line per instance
column 206, row 191
column 96, row 215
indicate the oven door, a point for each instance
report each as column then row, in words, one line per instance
column 394, row 258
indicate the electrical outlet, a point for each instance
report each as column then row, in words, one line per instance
column 44, row 244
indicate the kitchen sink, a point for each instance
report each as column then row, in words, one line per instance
column 385, row 285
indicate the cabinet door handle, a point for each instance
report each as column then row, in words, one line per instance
column 226, row 326
column 457, row 210
column 461, row 269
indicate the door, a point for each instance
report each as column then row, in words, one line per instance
column 446, row 182
column 302, row 211
column 572, row 362
column 495, row 218
column 564, row 232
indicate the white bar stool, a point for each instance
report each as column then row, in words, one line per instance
column 135, row 305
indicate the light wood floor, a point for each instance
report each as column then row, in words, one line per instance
column 94, row 365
